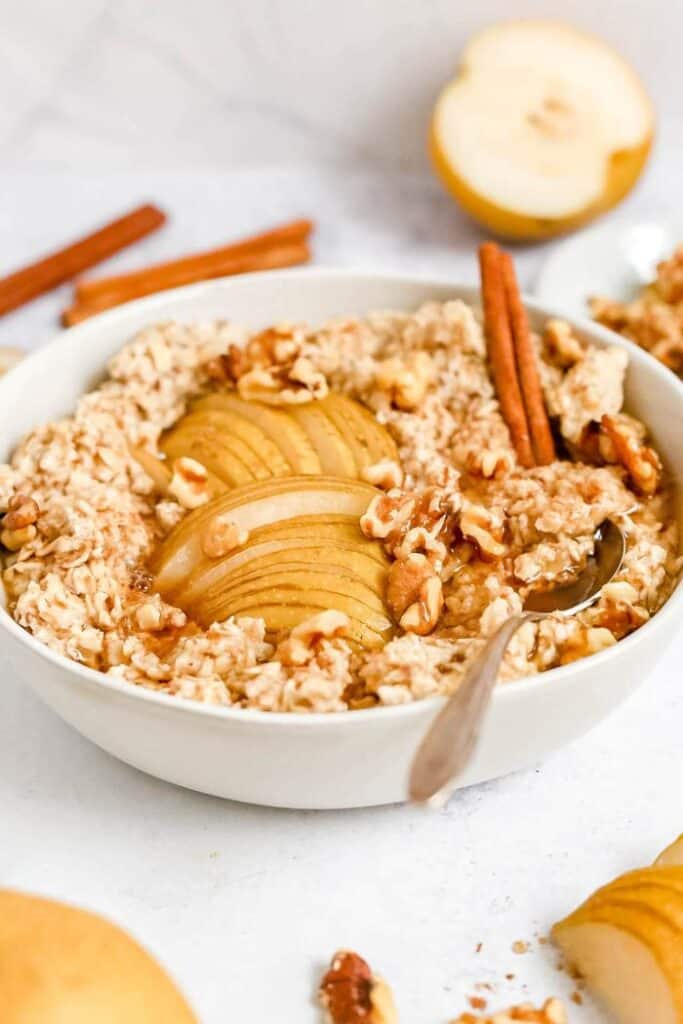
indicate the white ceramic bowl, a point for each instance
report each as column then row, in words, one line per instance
column 312, row 761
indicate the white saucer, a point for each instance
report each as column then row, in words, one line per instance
column 614, row 259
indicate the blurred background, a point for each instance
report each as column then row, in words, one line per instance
column 120, row 84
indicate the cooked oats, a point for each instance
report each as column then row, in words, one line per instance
column 458, row 507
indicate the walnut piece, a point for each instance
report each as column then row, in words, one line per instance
column 272, row 368
column 405, row 381
column 641, row 463
column 190, row 483
column 351, row 994
column 552, row 1012
column 485, row 527
column 221, row 535
column 22, row 511
column 303, row 643
column 562, row 346
column 387, row 475
column 415, row 594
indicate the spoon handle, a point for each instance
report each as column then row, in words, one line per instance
column 449, row 743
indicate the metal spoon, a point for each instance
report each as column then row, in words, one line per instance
column 448, row 745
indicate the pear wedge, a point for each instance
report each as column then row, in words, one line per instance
column 627, row 942
column 219, row 435
column 259, row 446
column 253, row 507
column 369, row 441
column 252, row 562
column 673, row 855
column 335, row 455
column 281, row 428
column 208, row 448
column 375, row 618
column 298, row 577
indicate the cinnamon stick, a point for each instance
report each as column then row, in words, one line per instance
column 196, row 268
column 527, row 367
column 47, row 273
column 193, row 268
column 501, row 351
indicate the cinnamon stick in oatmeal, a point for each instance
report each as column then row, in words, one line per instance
column 502, row 353
column 527, row 367
column 28, row 283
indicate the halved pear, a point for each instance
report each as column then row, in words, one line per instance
column 335, row 455
column 369, row 441
column 253, row 507
column 673, row 855
column 543, row 128
column 281, row 428
column 281, row 618
column 627, row 942
column 259, row 447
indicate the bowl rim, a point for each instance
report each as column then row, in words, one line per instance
column 517, row 688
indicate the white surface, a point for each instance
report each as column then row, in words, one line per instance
column 220, row 83
column 315, row 761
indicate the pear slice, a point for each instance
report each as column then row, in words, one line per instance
column 258, row 447
column 543, row 128
column 254, row 561
column 208, row 448
column 630, row 956
column 281, row 428
column 673, row 855
column 297, row 577
column 220, row 435
column 253, row 507
column 335, row 455
column 369, row 441
column 280, row 619
column 344, row 594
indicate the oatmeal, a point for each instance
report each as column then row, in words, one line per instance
column 432, row 532
column 654, row 319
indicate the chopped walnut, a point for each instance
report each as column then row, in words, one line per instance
column 13, row 540
column 409, row 522
column 303, row 642
column 562, row 346
column 423, row 615
column 642, row 463
column 405, row 381
column 221, row 535
column 387, row 475
column 485, row 527
column 153, row 616
column 272, row 368
column 552, row 1012
column 405, row 581
column 489, row 463
column 351, row 994
column 189, row 483
column 22, row 511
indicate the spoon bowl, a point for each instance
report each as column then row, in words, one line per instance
column 452, row 737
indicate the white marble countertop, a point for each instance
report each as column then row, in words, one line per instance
column 244, row 904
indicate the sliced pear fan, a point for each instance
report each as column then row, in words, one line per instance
column 627, row 942
column 278, row 426
column 543, row 128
